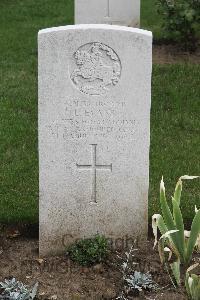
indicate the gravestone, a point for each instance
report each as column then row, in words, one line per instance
column 114, row 12
column 94, row 133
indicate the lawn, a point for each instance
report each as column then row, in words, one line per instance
column 175, row 134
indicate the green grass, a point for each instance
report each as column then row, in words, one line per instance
column 20, row 21
column 175, row 135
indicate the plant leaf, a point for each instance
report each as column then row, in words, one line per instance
column 175, row 267
column 187, row 283
column 168, row 233
column 161, row 251
column 187, row 177
column 198, row 243
column 196, row 287
column 178, row 218
column 158, row 222
column 166, row 249
column 167, row 215
column 177, row 193
column 192, row 267
column 195, row 231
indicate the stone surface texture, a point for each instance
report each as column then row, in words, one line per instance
column 94, row 133
column 114, row 12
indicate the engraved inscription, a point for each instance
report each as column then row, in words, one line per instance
column 98, row 69
column 83, row 119
column 93, row 167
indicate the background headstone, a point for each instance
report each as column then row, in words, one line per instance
column 114, row 12
column 94, row 133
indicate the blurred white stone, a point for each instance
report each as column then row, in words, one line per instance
column 114, row 12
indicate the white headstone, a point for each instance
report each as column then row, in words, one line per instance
column 114, row 12
column 94, row 133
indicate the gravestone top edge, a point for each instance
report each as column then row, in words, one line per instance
column 96, row 26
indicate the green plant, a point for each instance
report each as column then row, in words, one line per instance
column 140, row 281
column 16, row 290
column 192, row 284
column 175, row 240
column 134, row 281
column 181, row 19
column 89, row 251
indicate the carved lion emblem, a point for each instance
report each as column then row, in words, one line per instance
column 98, row 69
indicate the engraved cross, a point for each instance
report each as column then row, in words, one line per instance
column 108, row 15
column 108, row 9
column 93, row 168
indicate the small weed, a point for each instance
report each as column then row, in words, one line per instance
column 134, row 282
column 140, row 281
column 16, row 290
column 89, row 251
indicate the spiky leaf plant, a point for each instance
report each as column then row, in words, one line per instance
column 174, row 239
column 16, row 290
column 140, row 281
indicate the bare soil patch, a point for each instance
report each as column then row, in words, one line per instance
column 172, row 54
column 60, row 278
